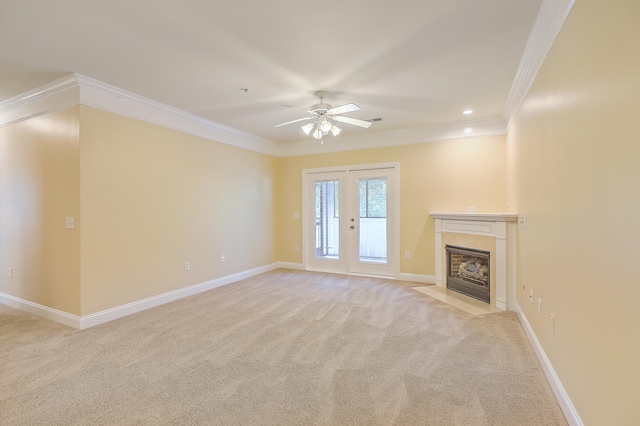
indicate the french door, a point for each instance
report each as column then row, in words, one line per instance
column 350, row 220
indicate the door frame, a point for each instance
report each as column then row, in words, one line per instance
column 393, row 224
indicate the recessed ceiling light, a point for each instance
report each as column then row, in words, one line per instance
column 468, row 130
column 467, row 111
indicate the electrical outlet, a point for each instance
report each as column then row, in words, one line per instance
column 539, row 306
column 297, row 247
column 552, row 323
column 187, row 266
column 222, row 259
column 407, row 255
column 471, row 209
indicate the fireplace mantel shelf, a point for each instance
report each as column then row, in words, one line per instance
column 493, row 217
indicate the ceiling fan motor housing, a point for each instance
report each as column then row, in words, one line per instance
column 321, row 108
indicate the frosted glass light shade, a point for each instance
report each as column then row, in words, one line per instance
column 319, row 128
column 307, row 128
column 325, row 126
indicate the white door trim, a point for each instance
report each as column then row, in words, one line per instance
column 394, row 224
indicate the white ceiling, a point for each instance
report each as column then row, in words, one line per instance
column 416, row 63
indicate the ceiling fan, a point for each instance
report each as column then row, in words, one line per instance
column 324, row 116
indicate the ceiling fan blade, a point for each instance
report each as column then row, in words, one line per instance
column 344, row 108
column 293, row 121
column 295, row 107
column 353, row 121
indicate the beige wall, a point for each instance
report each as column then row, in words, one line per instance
column 145, row 199
column 439, row 176
column 153, row 198
column 39, row 188
column 574, row 170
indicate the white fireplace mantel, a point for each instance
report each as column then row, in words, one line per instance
column 492, row 217
column 502, row 227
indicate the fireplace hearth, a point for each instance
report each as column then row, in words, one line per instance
column 468, row 272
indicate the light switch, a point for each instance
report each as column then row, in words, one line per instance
column 296, row 216
column 71, row 223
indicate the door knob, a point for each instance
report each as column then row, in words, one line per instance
column 353, row 220
column 353, row 227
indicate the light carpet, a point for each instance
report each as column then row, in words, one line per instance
column 282, row 348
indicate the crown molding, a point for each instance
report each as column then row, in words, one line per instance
column 548, row 24
column 109, row 98
column 54, row 96
column 77, row 89
column 410, row 136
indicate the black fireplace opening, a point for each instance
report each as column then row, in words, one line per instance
column 468, row 272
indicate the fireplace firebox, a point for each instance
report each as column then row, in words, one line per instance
column 468, row 272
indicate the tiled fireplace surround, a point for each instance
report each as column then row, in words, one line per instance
column 492, row 232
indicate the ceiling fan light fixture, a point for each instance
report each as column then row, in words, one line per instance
column 325, row 126
column 323, row 116
column 307, row 128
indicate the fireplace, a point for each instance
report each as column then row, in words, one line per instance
column 489, row 232
column 468, row 272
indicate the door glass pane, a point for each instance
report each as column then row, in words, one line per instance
column 327, row 221
column 372, row 201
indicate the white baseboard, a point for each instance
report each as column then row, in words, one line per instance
column 41, row 310
column 418, row 278
column 102, row 317
column 570, row 412
column 151, row 302
column 290, row 265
